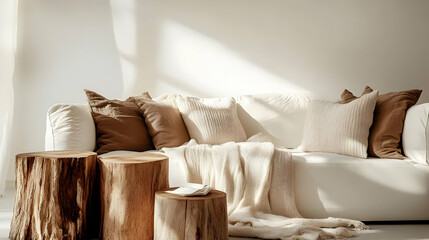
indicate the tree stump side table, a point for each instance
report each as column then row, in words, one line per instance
column 181, row 218
column 53, row 190
column 128, row 184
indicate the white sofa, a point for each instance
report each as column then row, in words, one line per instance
column 327, row 184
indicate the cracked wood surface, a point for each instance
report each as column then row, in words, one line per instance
column 53, row 192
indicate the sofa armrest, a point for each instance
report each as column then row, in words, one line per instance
column 70, row 127
column 415, row 136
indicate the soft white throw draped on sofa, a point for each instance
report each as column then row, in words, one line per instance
column 8, row 27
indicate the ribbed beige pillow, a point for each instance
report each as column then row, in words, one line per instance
column 339, row 128
column 211, row 120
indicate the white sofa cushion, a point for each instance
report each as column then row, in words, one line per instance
column 211, row 120
column 372, row 189
column 70, row 127
column 279, row 115
column 339, row 128
column 415, row 136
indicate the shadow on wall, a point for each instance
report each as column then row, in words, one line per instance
column 243, row 47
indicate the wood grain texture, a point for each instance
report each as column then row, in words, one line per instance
column 128, row 185
column 190, row 218
column 53, row 192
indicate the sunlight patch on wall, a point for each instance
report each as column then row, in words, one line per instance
column 129, row 75
column 125, row 30
column 195, row 64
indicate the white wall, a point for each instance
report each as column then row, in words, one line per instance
column 63, row 47
column 212, row 48
column 223, row 47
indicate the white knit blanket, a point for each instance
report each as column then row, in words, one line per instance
column 258, row 179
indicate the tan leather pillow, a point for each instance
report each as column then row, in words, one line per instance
column 389, row 115
column 119, row 125
column 164, row 122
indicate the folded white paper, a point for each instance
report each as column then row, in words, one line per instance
column 191, row 189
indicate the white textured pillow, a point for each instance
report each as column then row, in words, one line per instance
column 415, row 137
column 339, row 128
column 70, row 127
column 211, row 120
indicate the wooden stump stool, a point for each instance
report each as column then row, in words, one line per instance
column 179, row 218
column 128, row 185
column 53, row 190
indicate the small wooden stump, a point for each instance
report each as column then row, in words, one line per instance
column 128, row 185
column 180, row 218
column 53, row 190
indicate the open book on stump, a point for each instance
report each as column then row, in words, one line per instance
column 191, row 189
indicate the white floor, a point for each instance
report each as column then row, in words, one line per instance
column 6, row 209
column 376, row 232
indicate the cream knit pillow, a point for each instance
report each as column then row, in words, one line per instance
column 211, row 120
column 339, row 128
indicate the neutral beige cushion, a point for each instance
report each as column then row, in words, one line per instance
column 163, row 121
column 339, row 128
column 119, row 125
column 211, row 120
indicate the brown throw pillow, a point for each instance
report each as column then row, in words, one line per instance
column 389, row 115
column 119, row 125
column 164, row 122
